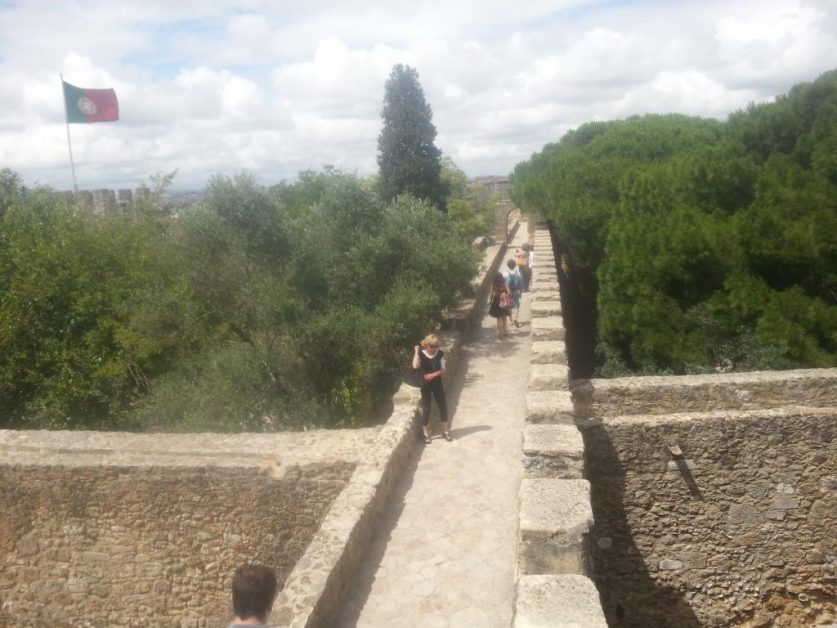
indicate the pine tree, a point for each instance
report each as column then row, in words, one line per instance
column 409, row 162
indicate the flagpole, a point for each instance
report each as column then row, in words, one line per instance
column 69, row 142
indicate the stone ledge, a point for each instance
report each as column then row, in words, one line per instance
column 558, row 510
column 548, row 352
column 540, row 286
column 766, row 414
column 549, row 406
column 660, row 395
column 549, row 377
column 555, row 517
column 116, row 449
column 553, row 440
column 553, row 451
column 548, row 328
column 541, row 308
column 567, row 601
column 545, row 295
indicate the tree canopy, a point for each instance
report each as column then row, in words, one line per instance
column 262, row 308
column 705, row 242
column 408, row 159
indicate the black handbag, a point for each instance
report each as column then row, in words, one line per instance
column 413, row 378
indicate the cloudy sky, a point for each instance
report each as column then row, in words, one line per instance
column 276, row 87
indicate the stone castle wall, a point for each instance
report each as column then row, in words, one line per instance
column 148, row 546
column 703, row 393
column 696, row 501
column 735, row 528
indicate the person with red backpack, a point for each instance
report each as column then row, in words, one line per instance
column 500, row 304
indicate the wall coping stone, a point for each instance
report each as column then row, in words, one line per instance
column 545, row 295
column 552, row 440
column 761, row 414
column 276, row 451
column 549, row 377
column 546, row 284
column 555, row 508
column 548, row 352
column 548, row 328
column 646, row 381
column 549, row 406
column 704, row 393
column 558, row 601
column 545, row 307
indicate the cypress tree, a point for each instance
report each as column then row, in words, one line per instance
column 409, row 162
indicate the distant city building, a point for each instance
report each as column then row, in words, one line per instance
column 492, row 185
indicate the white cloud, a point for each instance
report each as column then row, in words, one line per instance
column 276, row 87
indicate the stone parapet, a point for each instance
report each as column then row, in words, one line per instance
column 556, row 515
column 564, row 601
column 555, row 518
column 549, row 377
column 703, row 393
column 548, row 328
column 549, row 406
column 553, row 451
column 548, row 352
column 545, row 285
column 545, row 295
column 544, row 307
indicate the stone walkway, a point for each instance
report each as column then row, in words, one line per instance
column 445, row 553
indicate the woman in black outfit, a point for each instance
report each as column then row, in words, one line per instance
column 429, row 360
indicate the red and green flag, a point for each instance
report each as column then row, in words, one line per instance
column 90, row 105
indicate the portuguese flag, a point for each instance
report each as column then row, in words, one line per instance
column 90, row 105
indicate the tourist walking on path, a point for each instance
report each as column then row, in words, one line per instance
column 500, row 304
column 521, row 256
column 429, row 361
column 515, row 284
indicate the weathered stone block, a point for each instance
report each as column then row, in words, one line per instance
column 555, row 515
column 553, row 451
column 565, row 601
column 553, row 440
column 549, row 406
column 548, row 352
column 550, row 284
column 545, row 308
column 549, row 328
column 549, row 377
column 544, row 295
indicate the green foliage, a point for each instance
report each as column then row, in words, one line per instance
column 408, row 159
column 471, row 211
column 261, row 309
column 576, row 182
column 709, row 241
column 11, row 189
column 68, row 288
